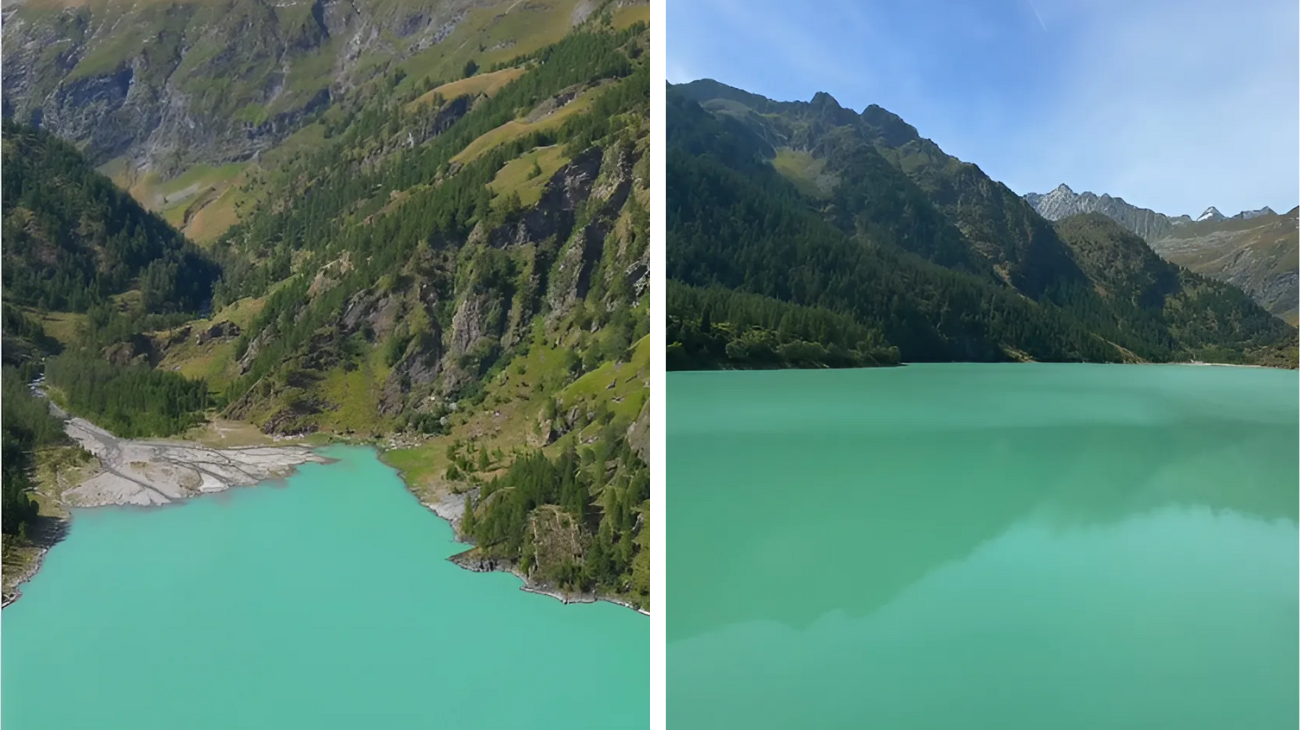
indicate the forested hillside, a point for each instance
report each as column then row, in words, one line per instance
column 1254, row 250
column 816, row 205
column 425, row 292
column 455, row 269
column 75, row 243
column 72, row 239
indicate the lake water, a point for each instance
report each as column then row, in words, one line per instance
column 323, row 602
column 983, row 546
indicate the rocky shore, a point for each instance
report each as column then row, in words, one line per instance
column 472, row 560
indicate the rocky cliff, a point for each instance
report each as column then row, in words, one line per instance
column 168, row 85
column 1064, row 202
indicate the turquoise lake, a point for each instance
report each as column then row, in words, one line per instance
column 983, row 546
column 324, row 601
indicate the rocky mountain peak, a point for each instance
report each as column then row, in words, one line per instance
column 1063, row 202
column 1211, row 214
column 1248, row 214
column 890, row 126
column 822, row 99
column 829, row 111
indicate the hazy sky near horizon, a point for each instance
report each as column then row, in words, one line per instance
column 1174, row 105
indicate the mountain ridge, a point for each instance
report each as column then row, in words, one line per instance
column 874, row 179
column 1255, row 250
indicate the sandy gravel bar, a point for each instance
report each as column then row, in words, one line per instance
column 159, row 472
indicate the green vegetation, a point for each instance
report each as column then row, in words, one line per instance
column 25, row 341
column 26, row 426
column 805, row 171
column 890, row 248
column 72, row 239
column 464, row 269
column 526, row 176
column 719, row 327
column 493, row 39
column 483, row 83
column 131, row 400
column 541, row 514
column 390, row 303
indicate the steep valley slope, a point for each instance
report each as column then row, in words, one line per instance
column 192, row 105
column 455, row 268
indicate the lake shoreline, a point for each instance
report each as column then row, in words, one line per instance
column 13, row 592
column 152, row 473
column 453, row 507
column 904, row 364
column 450, row 506
column 475, row 564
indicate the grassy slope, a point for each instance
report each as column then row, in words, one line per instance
column 1221, row 248
column 212, row 361
column 483, row 83
column 807, row 172
column 62, row 326
column 491, row 35
column 514, row 176
column 205, row 200
column 626, row 16
column 516, row 128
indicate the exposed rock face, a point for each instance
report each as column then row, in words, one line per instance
column 1064, row 202
column 169, row 85
column 1211, row 214
column 373, row 313
column 250, row 354
column 577, row 259
column 440, row 333
column 573, row 271
column 218, row 331
column 1257, row 254
column 1248, row 214
column 474, row 329
column 638, row 435
column 554, row 214
column 1254, row 250
column 138, row 350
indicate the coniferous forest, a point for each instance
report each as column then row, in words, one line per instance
column 27, row 426
column 877, row 238
column 72, row 239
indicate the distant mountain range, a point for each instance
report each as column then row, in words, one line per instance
column 1255, row 250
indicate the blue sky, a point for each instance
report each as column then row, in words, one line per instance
column 1174, row 105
